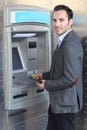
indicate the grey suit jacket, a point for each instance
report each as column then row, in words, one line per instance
column 66, row 67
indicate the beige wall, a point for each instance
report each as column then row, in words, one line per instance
column 40, row 3
column 74, row 4
column 79, row 5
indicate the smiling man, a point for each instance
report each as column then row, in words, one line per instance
column 61, row 21
column 65, row 90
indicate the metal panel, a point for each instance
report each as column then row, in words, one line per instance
column 82, row 116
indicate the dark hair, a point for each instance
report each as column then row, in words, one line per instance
column 66, row 8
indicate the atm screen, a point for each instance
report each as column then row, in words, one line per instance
column 16, row 59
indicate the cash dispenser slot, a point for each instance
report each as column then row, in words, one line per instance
column 39, row 90
column 32, row 59
column 23, row 94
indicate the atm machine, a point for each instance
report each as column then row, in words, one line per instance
column 27, row 50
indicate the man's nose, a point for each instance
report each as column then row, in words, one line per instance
column 57, row 23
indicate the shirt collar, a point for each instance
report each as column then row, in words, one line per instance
column 61, row 37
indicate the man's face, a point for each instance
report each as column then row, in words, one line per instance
column 61, row 23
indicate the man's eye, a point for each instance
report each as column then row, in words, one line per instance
column 54, row 20
column 61, row 20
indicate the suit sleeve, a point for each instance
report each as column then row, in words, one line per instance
column 72, row 68
column 46, row 75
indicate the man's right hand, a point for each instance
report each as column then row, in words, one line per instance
column 37, row 76
column 75, row 82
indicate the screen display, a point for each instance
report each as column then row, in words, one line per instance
column 17, row 63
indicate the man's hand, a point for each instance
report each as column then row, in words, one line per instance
column 41, row 85
column 75, row 82
column 37, row 76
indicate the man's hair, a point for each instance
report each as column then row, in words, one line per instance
column 66, row 8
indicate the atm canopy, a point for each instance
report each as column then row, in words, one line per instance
column 26, row 14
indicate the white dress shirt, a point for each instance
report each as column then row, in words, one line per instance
column 61, row 37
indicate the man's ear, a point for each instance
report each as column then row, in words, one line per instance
column 71, row 22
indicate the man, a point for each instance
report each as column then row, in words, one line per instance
column 65, row 90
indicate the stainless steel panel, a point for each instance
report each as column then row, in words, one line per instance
column 32, row 118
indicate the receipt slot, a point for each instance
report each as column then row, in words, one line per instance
column 27, row 50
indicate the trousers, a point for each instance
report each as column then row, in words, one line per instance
column 61, row 121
